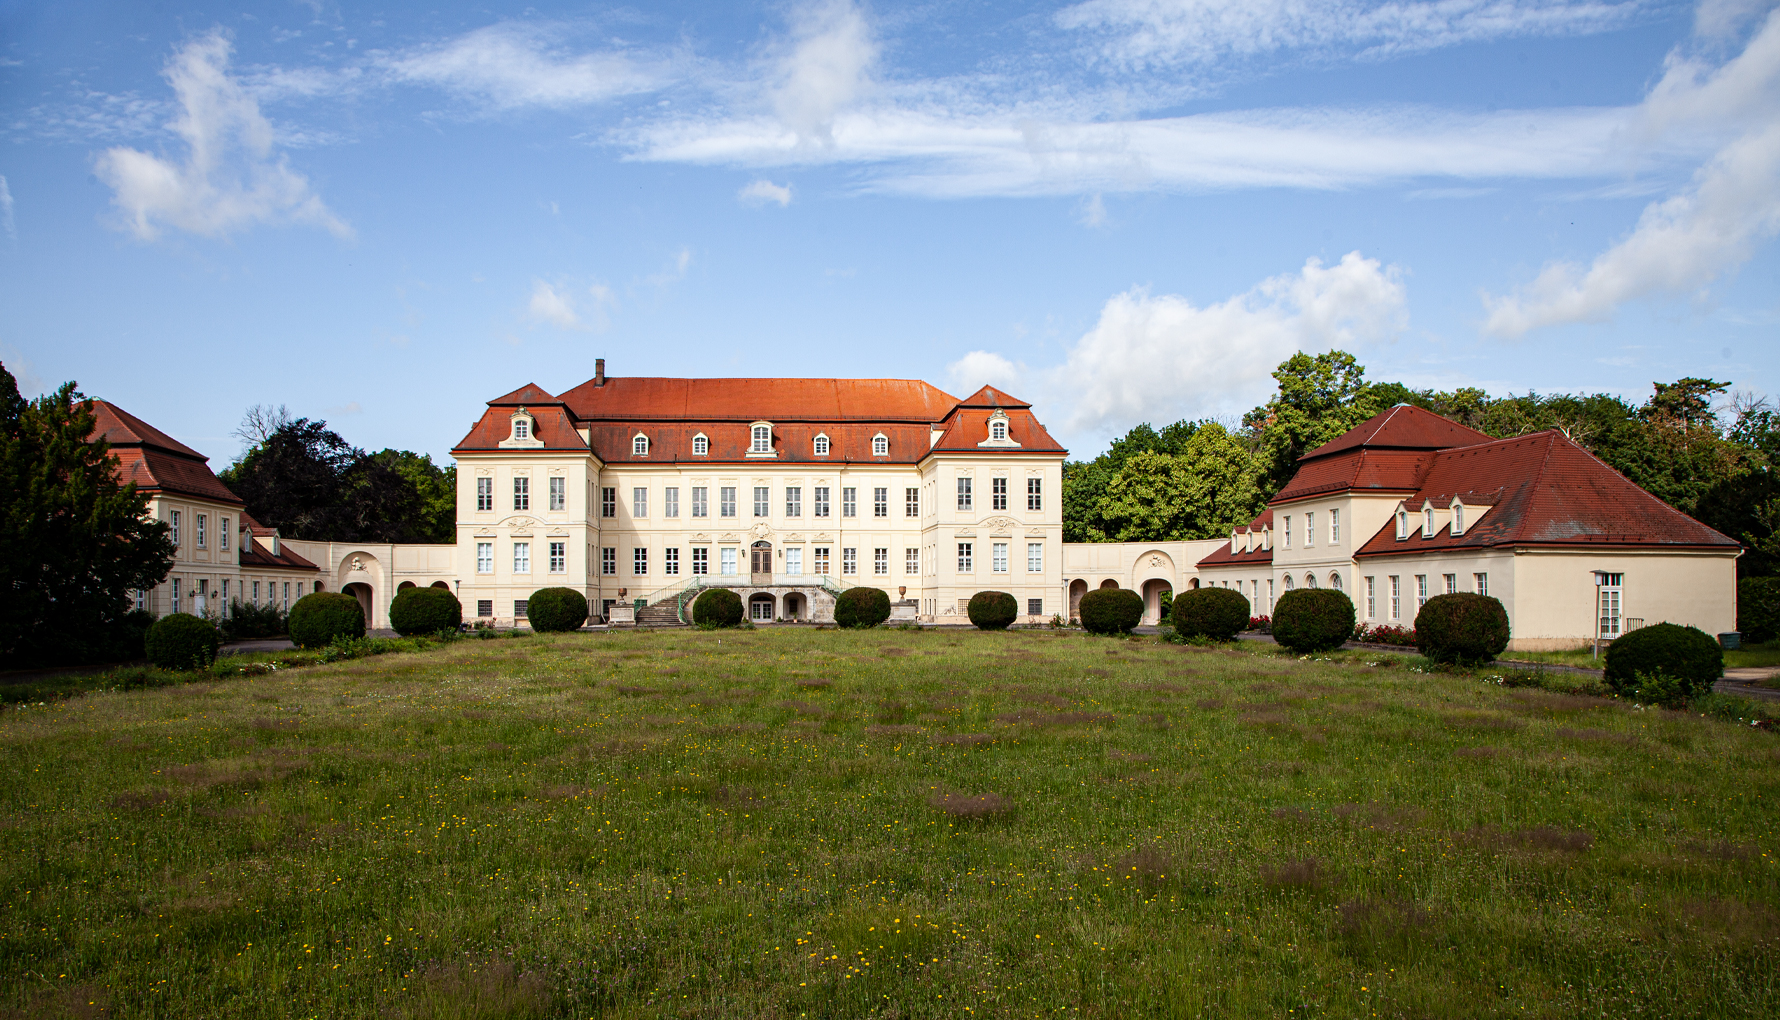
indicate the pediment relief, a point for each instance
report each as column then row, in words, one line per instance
column 793, row 538
column 823, row 536
column 1001, row 526
column 761, row 530
column 484, row 532
column 1035, row 532
column 965, row 533
column 558, row 533
column 518, row 522
column 701, row 539
column 729, row 539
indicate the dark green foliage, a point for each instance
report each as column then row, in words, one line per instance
column 556, row 609
column 247, row 621
column 993, row 610
column 182, row 641
column 1687, row 655
column 73, row 541
column 1165, row 602
column 861, row 607
column 1308, row 620
column 428, row 611
column 318, row 618
column 1217, row 613
column 1110, row 610
column 1758, row 609
column 1462, row 627
column 125, row 641
column 718, row 607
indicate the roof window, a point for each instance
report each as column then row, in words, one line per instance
column 821, row 444
column 1428, row 521
column 880, row 445
column 761, row 438
column 701, row 445
column 639, row 445
column 1402, row 524
column 1458, row 518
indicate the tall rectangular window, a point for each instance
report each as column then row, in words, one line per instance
column 670, row 501
column 1480, row 583
column 485, row 494
column 199, row 531
column 822, row 560
column 1396, row 597
column 522, row 493
column 639, row 501
column 670, row 562
column 849, row 562
column 1610, row 589
column 793, row 501
column 998, row 494
column 1309, row 529
column 911, row 561
column 911, row 502
column 608, row 561
column 176, row 590
column 726, row 501
column 639, row 561
column 762, row 501
column 559, row 557
column 256, row 595
column 1035, row 499
column 287, row 595
column 1421, row 591
column 821, row 501
column 522, row 557
column 484, row 558
column 1288, row 531
column 701, row 501
column 794, row 561
column 998, row 557
column 726, row 560
column 174, row 521
column 222, row 534
column 1371, row 598
column 880, row 561
column 608, row 501
column 964, row 495
column 849, row 502
column 701, row 560
column 1334, row 527
column 559, row 492
column 880, row 502
column 966, row 558
column 1035, row 557
column 1452, row 583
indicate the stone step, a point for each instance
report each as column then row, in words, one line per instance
column 662, row 614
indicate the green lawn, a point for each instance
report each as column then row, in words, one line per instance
column 812, row 823
column 1736, row 658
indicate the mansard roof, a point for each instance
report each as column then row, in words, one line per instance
column 530, row 393
column 623, row 398
column 1402, row 427
column 155, row 461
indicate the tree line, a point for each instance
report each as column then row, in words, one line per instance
column 1709, row 456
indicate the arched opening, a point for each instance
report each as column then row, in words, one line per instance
column 318, row 586
column 1335, row 581
column 362, row 592
column 795, row 608
column 1077, row 588
column 1310, row 580
column 1193, row 584
column 1288, row 582
column 760, row 608
column 404, row 586
column 1109, row 583
column 441, row 584
column 1153, row 590
column 760, row 563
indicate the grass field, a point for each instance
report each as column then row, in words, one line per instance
column 786, row 823
column 1735, row 658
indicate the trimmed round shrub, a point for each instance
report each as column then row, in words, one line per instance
column 318, row 618
column 1110, row 610
column 1687, row 655
column 1462, row 627
column 181, row 641
column 1758, row 609
column 861, row 607
column 1307, row 620
column 556, row 609
column 1217, row 613
column 993, row 610
column 425, row 611
column 718, row 607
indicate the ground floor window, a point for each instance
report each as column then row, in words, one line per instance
column 608, row 560
column 1452, row 583
column 966, row 557
column 1396, row 597
column 1371, row 598
column 849, row 561
column 1610, row 587
column 794, row 561
column 880, row 561
column 485, row 607
column 1421, row 591
column 639, row 562
column 1035, row 607
column 670, row 562
column 822, row 560
column 760, row 607
column 519, row 608
column 998, row 557
column 701, row 561
column 559, row 557
column 1480, row 583
column 1035, row 557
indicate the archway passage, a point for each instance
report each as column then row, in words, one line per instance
column 794, row 607
column 441, row 584
column 1077, row 588
column 760, row 563
column 1152, row 599
column 760, row 608
column 362, row 592
column 1110, row 582
column 404, row 586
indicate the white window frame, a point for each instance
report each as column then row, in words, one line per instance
column 794, row 560
column 819, row 501
column 998, row 429
column 760, row 438
column 639, row 501
column 222, row 534
column 966, row 497
column 670, row 501
column 880, row 501
column 1402, row 524
column 1480, row 582
column 608, row 561
column 880, row 561
column 1288, row 531
column 880, row 445
column 1035, row 493
column 484, row 557
column 727, row 560
column 559, row 557
column 911, row 501
column 484, row 494
column 522, row 427
column 1609, row 603
column 849, row 501
column 849, row 562
column 522, row 557
column 1452, row 583
column 1457, row 527
column 639, row 445
column 967, row 558
column 793, row 501
column 670, row 561
column 1372, row 598
column 559, row 492
column 726, row 501
column 522, row 492
column 819, row 445
column 1035, row 557
column 1427, row 522
column 639, row 561
column 701, row 445
column 701, row 501
column 998, row 557
column 763, row 501
column 998, row 493
column 1310, row 529
column 174, row 532
column 1421, row 591
column 1396, row 597
column 821, row 564
column 198, row 536
column 701, row 561
column 911, row 561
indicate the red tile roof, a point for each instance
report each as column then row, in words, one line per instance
column 155, row 461
column 968, row 425
column 254, row 554
column 1223, row 557
column 774, row 400
column 989, row 396
column 551, row 426
column 1382, row 470
column 530, row 393
column 1403, row 427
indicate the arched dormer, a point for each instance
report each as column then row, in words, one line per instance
column 639, row 445
column 880, row 445
column 522, row 431
column 1402, row 522
column 1428, row 519
column 701, row 445
column 819, row 445
column 1457, row 526
column 760, row 439
column 1000, row 430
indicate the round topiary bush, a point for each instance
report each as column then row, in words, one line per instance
column 1217, row 613
column 556, row 609
column 1462, row 628
column 1758, row 609
column 317, row 619
column 861, row 607
column 425, row 611
column 718, row 607
column 1110, row 610
column 1688, row 655
column 993, row 610
column 181, row 641
column 1307, row 620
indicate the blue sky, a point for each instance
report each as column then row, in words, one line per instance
column 1122, row 210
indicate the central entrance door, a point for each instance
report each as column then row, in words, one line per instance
column 762, row 565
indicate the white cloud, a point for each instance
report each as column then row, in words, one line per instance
column 1684, row 242
column 762, row 191
column 550, row 305
column 1094, row 211
column 562, row 306
column 6, row 221
column 675, row 271
column 512, row 65
column 230, row 177
column 986, row 368
column 824, row 68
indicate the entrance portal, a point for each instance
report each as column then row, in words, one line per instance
column 760, row 608
column 761, row 565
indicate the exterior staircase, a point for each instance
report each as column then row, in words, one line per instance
column 665, row 613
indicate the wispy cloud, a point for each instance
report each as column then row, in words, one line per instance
column 567, row 306
column 824, row 68
column 512, row 65
column 762, row 191
column 230, row 177
column 7, row 223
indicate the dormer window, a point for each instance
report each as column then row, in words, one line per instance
column 639, row 445
column 701, row 445
column 880, row 445
column 1428, row 521
column 821, row 444
column 762, row 439
column 522, row 431
column 1402, row 524
column 998, row 430
column 1000, row 434
column 522, row 428
column 1458, row 518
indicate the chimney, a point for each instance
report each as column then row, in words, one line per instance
column 599, row 371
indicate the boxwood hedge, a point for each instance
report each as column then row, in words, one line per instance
column 556, row 609
column 318, row 618
column 1307, row 620
column 861, row 607
column 1110, row 610
column 993, row 610
column 1217, row 613
column 181, row 641
column 1462, row 628
column 425, row 611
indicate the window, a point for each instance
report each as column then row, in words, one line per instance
column 1309, row 581
column 911, row 502
column 1428, row 522
column 222, row 536
column 670, row 501
column 821, row 502
column 1609, row 588
column 849, row 561
column 287, row 594
column 670, row 562
column 763, row 439
column 522, row 493
column 726, row 501
column 639, row 445
column 559, row 493
column 202, row 520
column 762, row 501
column 701, row 445
column 794, row 561
column 1334, row 527
column 701, row 561
column 1452, row 583
column 821, row 445
column 880, row 502
column 911, row 561
column 794, row 501
column 484, row 557
column 998, row 494
column 1035, row 557
column 1035, row 499
column 1480, row 583
column 1421, row 590
column 485, row 607
column 225, row 596
column 485, row 494
column 1289, row 583
column 522, row 428
column 256, row 596
column 1035, row 607
column 998, row 557
column 639, row 501
column 559, row 557
column 998, row 430
column 880, row 561
column 175, row 533
column 1310, row 529
column 1396, row 597
column 522, row 557
column 1371, row 598
column 1458, row 518
column 726, row 562
column 822, row 559
column 1288, row 531
column 966, row 560
column 609, row 561
column 1402, row 524
column 880, row 445
column 176, row 594
column 964, row 495
column 639, row 561
column 701, row 501
column 609, row 502
column 849, row 502
column 519, row 608
column 1335, row 581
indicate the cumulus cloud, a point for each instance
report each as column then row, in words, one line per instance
column 986, row 368
column 230, row 177
column 823, row 69
column 762, row 191
column 512, row 65
column 1684, row 242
